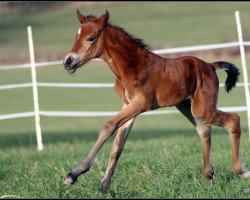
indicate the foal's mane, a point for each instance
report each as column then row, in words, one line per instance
column 138, row 41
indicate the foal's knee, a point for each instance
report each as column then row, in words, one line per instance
column 107, row 129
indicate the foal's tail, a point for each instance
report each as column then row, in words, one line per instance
column 232, row 73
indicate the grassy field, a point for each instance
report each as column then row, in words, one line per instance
column 163, row 154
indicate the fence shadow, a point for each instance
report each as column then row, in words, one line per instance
column 28, row 139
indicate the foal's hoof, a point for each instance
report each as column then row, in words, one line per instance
column 70, row 179
column 246, row 174
column 104, row 187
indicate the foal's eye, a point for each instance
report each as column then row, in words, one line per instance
column 91, row 39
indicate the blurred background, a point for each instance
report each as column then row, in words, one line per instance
column 158, row 145
column 160, row 24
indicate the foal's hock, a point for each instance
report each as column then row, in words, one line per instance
column 146, row 81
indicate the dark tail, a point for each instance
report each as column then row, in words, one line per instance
column 232, row 73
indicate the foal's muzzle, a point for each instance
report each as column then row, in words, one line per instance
column 71, row 63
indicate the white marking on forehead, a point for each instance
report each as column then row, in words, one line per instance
column 79, row 31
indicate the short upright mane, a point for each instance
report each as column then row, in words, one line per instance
column 90, row 16
column 138, row 41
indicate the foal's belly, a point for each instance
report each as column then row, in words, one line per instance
column 172, row 101
column 175, row 83
column 167, row 98
column 171, row 92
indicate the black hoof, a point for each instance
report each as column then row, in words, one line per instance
column 70, row 179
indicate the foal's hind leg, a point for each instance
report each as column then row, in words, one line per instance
column 204, row 132
column 204, row 109
column 231, row 122
column 117, row 148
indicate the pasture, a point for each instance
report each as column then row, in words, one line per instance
column 163, row 154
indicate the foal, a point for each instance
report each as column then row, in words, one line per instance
column 146, row 81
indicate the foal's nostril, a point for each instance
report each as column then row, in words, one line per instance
column 68, row 61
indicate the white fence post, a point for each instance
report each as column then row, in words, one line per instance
column 35, row 93
column 244, row 66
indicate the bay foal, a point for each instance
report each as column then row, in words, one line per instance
column 146, row 81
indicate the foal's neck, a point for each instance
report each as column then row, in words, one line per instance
column 122, row 52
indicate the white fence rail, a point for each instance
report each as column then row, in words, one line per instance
column 78, row 85
column 37, row 113
column 160, row 52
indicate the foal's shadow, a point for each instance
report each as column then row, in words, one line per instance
column 29, row 138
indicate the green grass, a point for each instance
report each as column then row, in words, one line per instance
column 163, row 155
column 162, row 159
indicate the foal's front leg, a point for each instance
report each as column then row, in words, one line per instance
column 127, row 113
column 116, row 151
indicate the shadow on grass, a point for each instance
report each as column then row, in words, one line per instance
column 29, row 138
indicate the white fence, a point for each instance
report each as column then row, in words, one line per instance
column 37, row 113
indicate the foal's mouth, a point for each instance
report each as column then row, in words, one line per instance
column 73, row 68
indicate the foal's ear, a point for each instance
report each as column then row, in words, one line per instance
column 104, row 19
column 80, row 17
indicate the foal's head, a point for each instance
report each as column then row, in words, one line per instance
column 89, row 41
